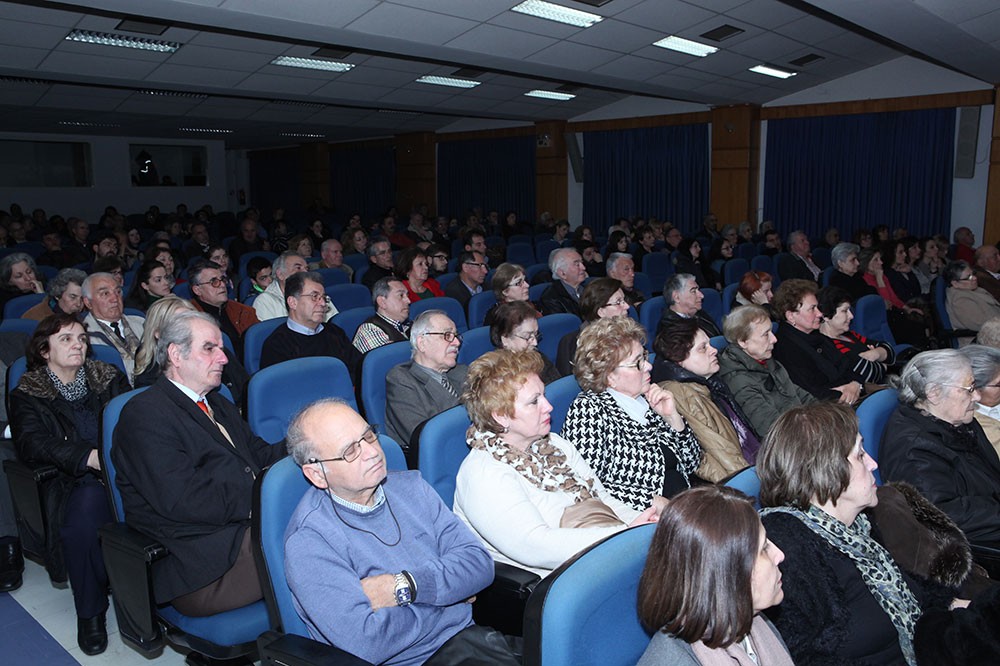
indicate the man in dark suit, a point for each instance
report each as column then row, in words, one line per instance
column 186, row 465
column 683, row 299
column 987, row 269
column 798, row 263
column 568, row 274
column 472, row 270
column 426, row 385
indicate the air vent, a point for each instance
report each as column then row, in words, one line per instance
column 594, row 3
column 332, row 53
column 23, row 81
column 172, row 93
column 468, row 73
column 304, row 105
column 722, row 33
column 142, row 27
column 806, row 60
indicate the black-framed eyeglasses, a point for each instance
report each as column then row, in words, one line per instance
column 615, row 304
column 528, row 337
column 516, row 282
column 639, row 364
column 477, row 264
column 439, row 256
column 215, row 282
column 353, row 450
column 448, row 336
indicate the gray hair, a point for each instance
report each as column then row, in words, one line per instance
column 194, row 273
column 328, row 244
column 744, row 226
column 63, row 279
column 726, row 228
column 88, row 283
column 989, row 333
column 930, row 369
column 793, row 235
column 677, row 282
column 370, row 250
column 177, row 331
column 557, row 259
column 842, row 252
column 7, row 265
column 953, row 270
column 422, row 324
column 278, row 266
column 300, row 447
column 614, row 258
column 158, row 313
column 985, row 363
column 382, row 288
column 737, row 326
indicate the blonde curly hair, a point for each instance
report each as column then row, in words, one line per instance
column 603, row 345
column 493, row 382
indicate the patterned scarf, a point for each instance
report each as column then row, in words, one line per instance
column 877, row 568
column 543, row 464
column 131, row 343
column 75, row 390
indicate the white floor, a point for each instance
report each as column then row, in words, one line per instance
column 53, row 609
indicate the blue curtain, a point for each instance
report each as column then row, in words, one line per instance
column 859, row 171
column 492, row 174
column 658, row 171
column 275, row 181
column 362, row 180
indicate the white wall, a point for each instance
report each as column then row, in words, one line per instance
column 968, row 195
column 112, row 183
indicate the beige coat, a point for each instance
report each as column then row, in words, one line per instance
column 992, row 429
column 711, row 427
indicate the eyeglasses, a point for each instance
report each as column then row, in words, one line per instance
column 615, row 304
column 968, row 389
column 215, row 282
column 315, row 296
column 477, row 264
column 448, row 336
column 516, row 282
column 440, row 256
column 639, row 364
column 353, row 449
column 528, row 337
column 967, row 277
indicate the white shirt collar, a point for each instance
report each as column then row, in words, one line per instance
column 635, row 407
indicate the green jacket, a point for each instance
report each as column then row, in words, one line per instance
column 764, row 392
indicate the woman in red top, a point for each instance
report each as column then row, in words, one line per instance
column 412, row 269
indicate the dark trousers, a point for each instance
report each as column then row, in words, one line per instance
column 238, row 587
column 87, row 510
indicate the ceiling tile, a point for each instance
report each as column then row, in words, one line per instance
column 237, row 43
column 768, row 47
column 810, row 30
column 397, row 21
column 75, row 101
column 157, row 105
column 958, row 12
column 22, row 57
column 724, row 63
column 499, row 41
column 480, row 10
column 617, row 36
column 535, row 25
column 765, row 13
column 243, row 61
column 196, row 76
column 229, row 108
column 270, row 83
column 97, row 66
column 985, row 27
column 574, row 56
column 343, row 90
column 42, row 36
column 314, row 12
column 15, row 11
column 414, row 99
column 628, row 66
column 667, row 16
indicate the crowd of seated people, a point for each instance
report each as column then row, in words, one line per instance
column 638, row 432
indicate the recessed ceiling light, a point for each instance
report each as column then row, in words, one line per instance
column 209, row 130
column 448, row 81
column 302, row 135
column 554, row 12
column 111, row 39
column 80, row 123
column 313, row 63
column 675, row 43
column 772, row 71
column 549, row 94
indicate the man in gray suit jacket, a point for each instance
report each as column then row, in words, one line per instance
column 428, row 384
column 106, row 321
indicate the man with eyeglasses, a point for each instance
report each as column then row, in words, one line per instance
column 437, row 255
column 186, row 464
column 426, row 385
column 379, row 261
column 377, row 564
column 305, row 334
column 472, row 270
column 209, row 294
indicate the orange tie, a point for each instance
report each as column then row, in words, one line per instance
column 204, row 407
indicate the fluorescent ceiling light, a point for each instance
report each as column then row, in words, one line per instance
column 448, row 81
column 111, row 39
column 675, row 43
column 80, row 123
column 554, row 12
column 549, row 94
column 313, row 63
column 209, row 130
column 772, row 71
column 303, row 135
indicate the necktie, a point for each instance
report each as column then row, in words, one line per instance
column 118, row 330
column 447, row 385
column 203, row 405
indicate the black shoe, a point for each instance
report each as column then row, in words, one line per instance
column 92, row 634
column 11, row 564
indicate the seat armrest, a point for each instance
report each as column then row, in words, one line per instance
column 988, row 557
column 501, row 605
column 290, row 650
column 513, row 580
column 128, row 558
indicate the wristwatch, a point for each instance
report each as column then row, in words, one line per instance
column 403, row 590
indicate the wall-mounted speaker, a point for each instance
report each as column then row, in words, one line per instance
column 968, row 137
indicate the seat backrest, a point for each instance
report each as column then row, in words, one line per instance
column 357, row 261
column 747, row 482
column 643, row 284
column 277, row 393
column 523, row 254
column 650, row 313
column 552, row 328
column 247, row 256
column 873, row 415
column 182, row 290
column 734, row 270
column 762, row 263
column 475, row 343
column 351, row 320
column 26, row 326
column 712, row 304
column 534, row 269
column 869, row 315
column 560, row 395
column 253, row 341
column 479, row 305
column 109, row 419
column 17, row 306
column 940, row 307
column 584, row 612
column 535, row 291
column 658, row 266
column 348, row 296
column 332, row 276
column 452, row 307
column 746, row 251
column 108, row 354
column 544, row 248
column 442, row 450
column 728, row 296
column 376, row 365
column 445, row 279
column 719, row 342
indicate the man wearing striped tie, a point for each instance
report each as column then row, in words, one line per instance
column 426, row 385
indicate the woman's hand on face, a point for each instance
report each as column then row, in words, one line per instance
column 662, row 402
column 650, row 515
column 849, row 392
column 37, row 286
column 94, row 460
column 758, row 297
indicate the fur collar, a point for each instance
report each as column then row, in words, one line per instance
column 37, row 384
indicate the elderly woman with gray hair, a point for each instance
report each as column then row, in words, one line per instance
column 18, row 277
column 985, row 363
column 934, row 443
column 65, row 295
column 844, row 257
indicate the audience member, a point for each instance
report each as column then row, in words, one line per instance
column 186, row 465
column 621, row 267
column 412, row 269
column 65, row 295
column 113, row 265
column 965, row 244
column 906, row 322
column 602, row 298
column 197, row 246
column 515, row 328
column 106, row 322
column 77, row 248
column 987, row 270
column 437, row 255
column 797, row 263
column 261, row 275
column 869, row 359
column 689, row 262
column 249, row 240
column 272, row 303
column 18, row 277
column 969, row 306
column 391, row 321
column 209, row 294
column 772, row 243
column 472, row 270
column 426, row 385
column 985, row 362
column 754, row 289
column 568, row 273
column 304, row 333
column 930, row 264
column 628, row 431
column 846, row 273
column 54, row 254
column 509, row 284
column 683, row 299
column 902, row 278
column 379, row 254
column 355, row 241
column 400, row 597
column 332, row 256
column 151, row 284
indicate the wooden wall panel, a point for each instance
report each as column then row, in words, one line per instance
column 946, row 100
column 735, row 160
column 551, row 170
column 416, row 171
